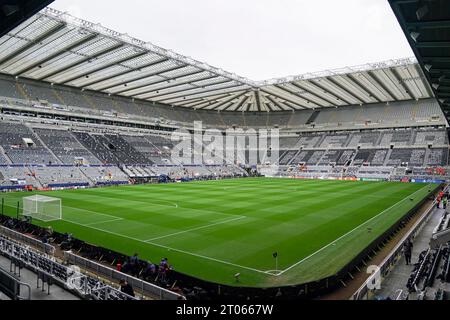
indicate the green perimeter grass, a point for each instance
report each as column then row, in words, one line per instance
column 215, row 229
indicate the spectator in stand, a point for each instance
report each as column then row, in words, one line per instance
column 407, row 251
column 10, row 223
column 49, row 234
column 126, row 288
column 66, row 244
column 163, row 270
column 44, row 238
column 134, row 264
column 126, row 265
column 149, row 271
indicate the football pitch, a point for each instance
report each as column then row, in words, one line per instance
column 214, row 229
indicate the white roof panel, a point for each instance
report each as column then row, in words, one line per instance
column 56, row 47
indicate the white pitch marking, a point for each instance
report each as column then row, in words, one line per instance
column 101, row 222
column 99, row 213
column 197, row 228
column 172, row 249
column 333, row 242
column 168, row 203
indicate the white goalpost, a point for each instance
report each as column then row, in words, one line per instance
column 42, row 208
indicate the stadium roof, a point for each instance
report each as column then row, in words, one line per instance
column 58, row 48
column 426, row 25
column 14, row 12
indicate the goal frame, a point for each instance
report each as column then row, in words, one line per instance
column 36, row 207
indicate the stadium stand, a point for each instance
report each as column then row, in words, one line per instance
column 12, row 175
column 64, row 145
column 406, row 157
column 129, row 155
column 50, row 176
column 364, row 139
column 136, row 154
column 96, row 145
column 288, row 142
column 161, row 151
column 25, row 91
column 98, row 109
column 50, row 272
column 21, row 146
column 310, row 141
column 331, row 141
column 437, row 157
column 431, row 137
column 287, row 156
column 100, row 175
column 371, row 157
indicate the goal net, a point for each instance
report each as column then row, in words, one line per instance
column 42, row 208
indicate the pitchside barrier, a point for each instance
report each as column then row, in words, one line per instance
column 99, row 269
column 50, row 271
column 365, row 292
column 35, row 243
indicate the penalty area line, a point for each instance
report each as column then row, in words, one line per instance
column 172, row 249
column 101, row 222
column 197, row 228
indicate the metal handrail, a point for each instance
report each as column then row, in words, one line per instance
column 16, row 292
column 100, row 269
column 47, row 248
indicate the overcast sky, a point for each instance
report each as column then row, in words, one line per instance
column 258, row 39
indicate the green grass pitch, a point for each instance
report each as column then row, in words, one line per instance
column 214, row 229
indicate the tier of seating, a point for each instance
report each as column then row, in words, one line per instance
column 362, row 172
column 12, row 175
column 56, row 176
column 403, row 113
column 49, row 270
column 64, row 145
column 45, row 145
column 367, row 139
column 373, row 157
column 21, row 145
column 98, row 146
column 3, row 160
column 104, row 175
column 406, row 156
column 126, row 152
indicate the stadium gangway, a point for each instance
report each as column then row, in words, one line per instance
column 143, row 286
column 25, row 239
column 363, row 293
column 11, row 286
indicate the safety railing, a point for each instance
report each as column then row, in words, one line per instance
column 11, row 286
column 147, row 288
column 47, row 268
column 25, row 239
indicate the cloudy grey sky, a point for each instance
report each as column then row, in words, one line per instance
column 258, row 39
